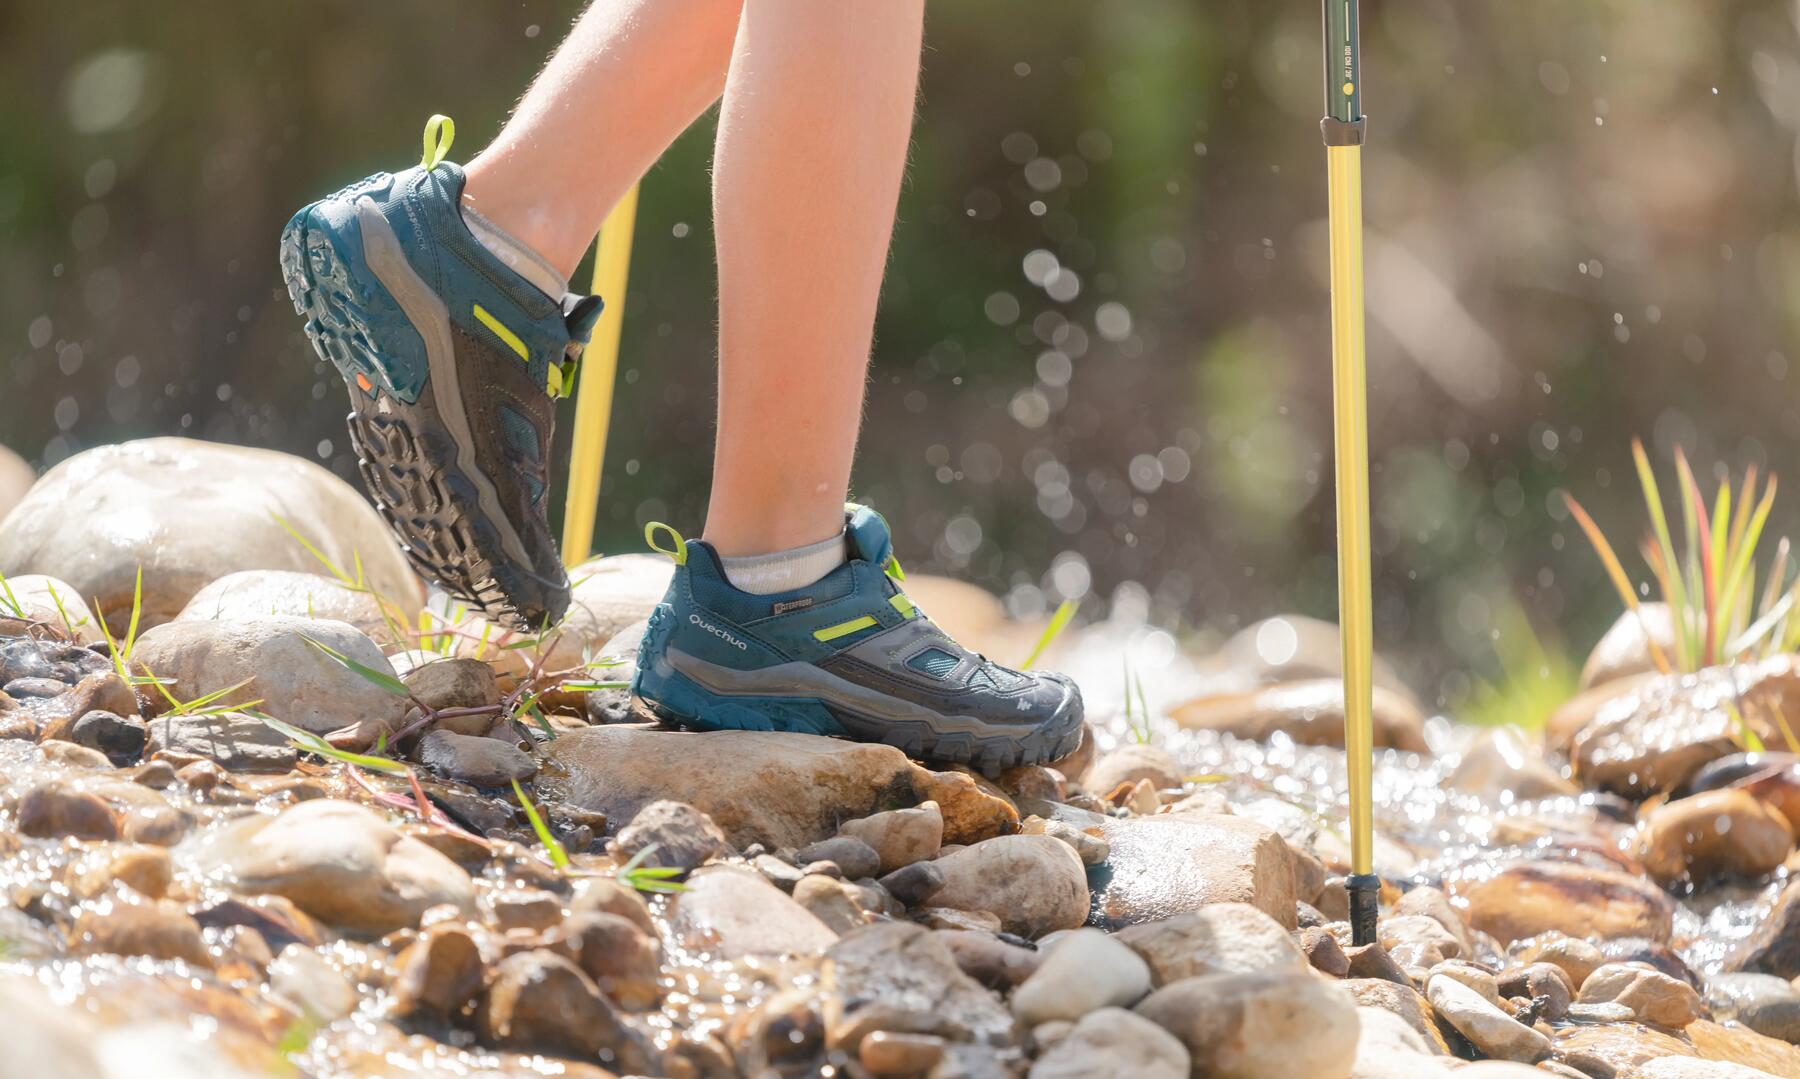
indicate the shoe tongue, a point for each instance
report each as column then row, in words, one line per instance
column 579, row 314
column 868, row 534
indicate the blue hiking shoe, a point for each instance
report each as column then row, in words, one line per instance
column 454, row 363
column 849, row 656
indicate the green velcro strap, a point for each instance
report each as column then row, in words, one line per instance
column 844, row 629
column 678, row 552
column 902, row 604
column 440, row 132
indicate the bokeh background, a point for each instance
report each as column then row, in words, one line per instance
column 1102, row 366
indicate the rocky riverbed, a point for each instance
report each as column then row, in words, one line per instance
column 358, row 890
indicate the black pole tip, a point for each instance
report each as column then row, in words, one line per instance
column 1365, row 905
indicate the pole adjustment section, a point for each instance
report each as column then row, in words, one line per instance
column 1338, row 132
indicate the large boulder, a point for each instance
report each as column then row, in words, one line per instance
column 296, row 680
column 1165, row 865
column 188, row 513
column 337, row 861
column 259, row 593
column 1655, row 736
column 1525, row 899
column 1311, row 713
column 780, row 790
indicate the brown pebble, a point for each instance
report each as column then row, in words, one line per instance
column 532, row 909
column 57, row 809
column 1323, row 952
column 160, row 930
column 440, row 973
column 1373, row 961
column 890, row 1054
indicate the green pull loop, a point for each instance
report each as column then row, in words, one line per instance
column 440, row 132
column 678, row 552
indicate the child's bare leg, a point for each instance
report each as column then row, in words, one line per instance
column 630, row 77
column 812, row 146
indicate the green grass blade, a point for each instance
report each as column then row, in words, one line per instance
column 1674, row 595
column 318, row 555
column 183, row 708
column 380, row 678
column 18, row 609
column 1616, row 572
column 1743, row 558
column 312, row 743
column 558, row 856
column 1058, row 622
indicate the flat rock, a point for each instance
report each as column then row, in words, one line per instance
column 1488, row 1028
column 237, row 742
column 1113, row 1042
column 898, row 977
column 540, row 1002
column 97, row 517
column 1310, row 713
column 1130, row 763
column 474, row 759
column 1741, row 1045
column 1654, row 997
column 1612, row 1050
column 1172, row 863
column 259, row 593
column 337, row 861
column 1525, row 899
column 780, row 790
column 1688, row 1068
column 1403, row 1002
column 731, row 912
column 1034, row 884
column 1220, row 938
column 295, row 680
column 1255, row 1026
column 1664, row 729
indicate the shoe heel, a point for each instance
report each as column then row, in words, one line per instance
column 676, row 698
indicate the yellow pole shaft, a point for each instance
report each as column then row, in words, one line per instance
column 594, row 389
column 1349, row 382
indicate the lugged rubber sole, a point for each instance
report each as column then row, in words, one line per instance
column 409, row 470
column 679, row 700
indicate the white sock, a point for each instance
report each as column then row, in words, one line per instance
column 784, row 571
column 509, row 249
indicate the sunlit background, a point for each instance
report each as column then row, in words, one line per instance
column 1102, row 365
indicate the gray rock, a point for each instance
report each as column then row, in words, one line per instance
column 683, row 837
column 901, row 837
column 1113, row 1042
column 900, row 977
column 21, row 689
column 116, row 736
column 733, row 912
column 1273, row 1023
column 26, row 657
column 259, row 593
column 914, row 884
column 1222, row 938
column 854, row 857
column 235, row 741
column 483, row 762
column 1032, row 883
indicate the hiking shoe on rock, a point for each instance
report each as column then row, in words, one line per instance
column 848, row 655
column 454, row 363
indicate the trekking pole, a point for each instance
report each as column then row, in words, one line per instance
column 1343, row 129
column 594, row 389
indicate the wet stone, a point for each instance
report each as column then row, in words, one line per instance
column 439, row 973
column 541, row 1002
column 854, row 857
column 157, row 929
column 915, row 884
column 121, row 739
column 682, row 837
column 901, row 978
column 623, row 960
column 58, row 808
column 478, row 761
column 23, row 689
column 232, row 740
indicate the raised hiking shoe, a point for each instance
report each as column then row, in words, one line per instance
column 849, row 655
column 454, row 363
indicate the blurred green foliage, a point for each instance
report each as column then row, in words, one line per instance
column 1102, row 349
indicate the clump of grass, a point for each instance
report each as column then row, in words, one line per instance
column 553, row 849
column 1709, row 583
